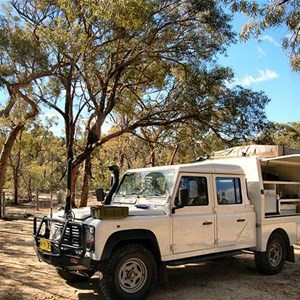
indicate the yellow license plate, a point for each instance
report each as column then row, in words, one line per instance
column 45, row 245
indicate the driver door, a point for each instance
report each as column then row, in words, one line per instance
column 194, row 224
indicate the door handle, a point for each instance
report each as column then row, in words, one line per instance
column 240, row 220
column 207, row 223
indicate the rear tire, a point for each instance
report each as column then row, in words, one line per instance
column 73, row 277
column 129, row 274
column 272, row 260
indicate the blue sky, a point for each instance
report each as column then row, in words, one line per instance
column 264, row 66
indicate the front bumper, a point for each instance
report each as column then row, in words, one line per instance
column 61, row 243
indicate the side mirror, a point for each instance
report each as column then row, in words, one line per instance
column 100, row 194
column 184, row 196
column 182, row 200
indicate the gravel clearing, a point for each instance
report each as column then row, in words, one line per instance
column 22, row 276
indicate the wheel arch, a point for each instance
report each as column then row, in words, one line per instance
column 142, row 236
column 271, row 261
column 289, row 248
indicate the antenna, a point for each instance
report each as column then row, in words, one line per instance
column 68, row 206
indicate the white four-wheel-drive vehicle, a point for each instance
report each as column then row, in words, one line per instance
column 174, row 215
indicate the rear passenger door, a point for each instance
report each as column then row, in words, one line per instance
column 235, row 216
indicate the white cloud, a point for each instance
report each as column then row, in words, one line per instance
column 264, row 75
column 261, row 52
column 270, row 39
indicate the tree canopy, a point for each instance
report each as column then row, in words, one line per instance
column 142, row 64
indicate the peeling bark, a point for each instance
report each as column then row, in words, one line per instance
column 86, row 181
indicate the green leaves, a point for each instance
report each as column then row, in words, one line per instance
column 282, row 134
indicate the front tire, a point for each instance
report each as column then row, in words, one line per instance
column 272, row 260
column 130, row 273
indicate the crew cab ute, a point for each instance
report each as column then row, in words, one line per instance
column 177, row 214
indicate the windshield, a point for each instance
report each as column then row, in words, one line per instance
column 145, row 184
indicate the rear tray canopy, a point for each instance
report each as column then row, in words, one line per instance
column 262, row 151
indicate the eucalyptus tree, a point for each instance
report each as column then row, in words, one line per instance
column 152, row 62
column 37, row 160
column 286, row 134
column 14, row 78
column 22, row 62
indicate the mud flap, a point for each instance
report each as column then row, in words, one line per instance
column 290, row 254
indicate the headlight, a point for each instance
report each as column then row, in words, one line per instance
column 90, row 238
column 55, row 231
column 57, row 234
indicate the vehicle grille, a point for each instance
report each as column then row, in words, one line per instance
column 72, row 235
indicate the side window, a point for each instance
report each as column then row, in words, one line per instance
column 228, row 190
column 197, row 189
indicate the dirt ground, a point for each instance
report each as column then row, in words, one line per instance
column 22, row 276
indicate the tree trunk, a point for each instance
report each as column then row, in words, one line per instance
column 16, row 168
column 121, row 160
column 16, row 186
column 152, row 155
column 75, row 171
column 86, row 181
column 29, row 190
column 5, row 153
column 174, row 155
